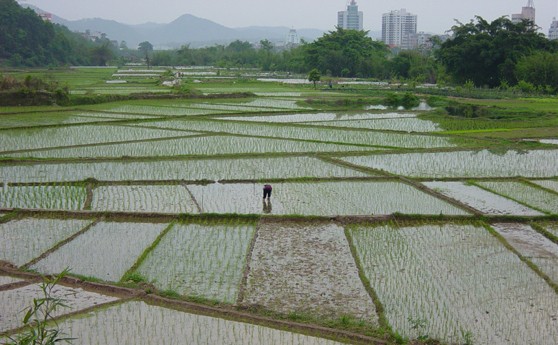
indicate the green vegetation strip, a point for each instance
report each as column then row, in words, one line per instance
column 509, row 197
column 382, row 319
column 130, row 274
column 60, row 244
column 545, row 232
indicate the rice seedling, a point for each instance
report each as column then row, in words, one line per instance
column 230, row 108
column 162, row 111
column 21, row 140
column 278, row 94
column 480, row 199
column 306, row 268
column 200, row 260
column 369, row 138
column 311, row 118
column 284, row 104
column 321, row 199
column 190, row 169
column 458, row 278
column 105, row 251
column 533, row 246
column 137, row 322
column 25, row 239
column 548, row 184
column 528, row 195
column 15, row 302
column 55, row 196
column 552, row 228
column 399, row 124
column 537, row 163
column 46, row 119
column 161, row 199
column 195, row 146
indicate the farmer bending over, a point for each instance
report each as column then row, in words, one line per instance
column 267, row 191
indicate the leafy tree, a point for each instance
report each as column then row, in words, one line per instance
column 487, row 53
column 414, row 65
column 346, row 51
column 239, row 54
column 539, row 69
column 101, row 54
column 314, row 76
column 266, row 55
column 146, row 49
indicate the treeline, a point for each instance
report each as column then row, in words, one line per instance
column 27, row 40
column 481, row 54
column 498, row 54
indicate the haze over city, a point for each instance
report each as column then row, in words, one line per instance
column 435, row 16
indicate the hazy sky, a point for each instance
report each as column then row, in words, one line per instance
column 433, row 15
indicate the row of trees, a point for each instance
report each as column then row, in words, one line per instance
column 480, row 53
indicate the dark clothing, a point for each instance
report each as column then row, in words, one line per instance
column 267, row 191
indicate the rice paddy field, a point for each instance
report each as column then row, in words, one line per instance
column 384, row 226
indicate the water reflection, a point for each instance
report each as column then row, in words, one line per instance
column 267, row 206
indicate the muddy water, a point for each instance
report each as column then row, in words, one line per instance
column 137, row 323
column 309, row 269
column 532, row 245
column 14, row 302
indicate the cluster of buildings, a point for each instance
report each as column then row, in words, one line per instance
column 399, row 27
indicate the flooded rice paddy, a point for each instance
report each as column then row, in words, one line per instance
column 135, row 323
column 367, row 225
column 457, row 279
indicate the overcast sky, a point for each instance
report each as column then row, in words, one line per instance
column 435, row 16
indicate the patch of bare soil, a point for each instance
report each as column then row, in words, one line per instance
column 306, row 268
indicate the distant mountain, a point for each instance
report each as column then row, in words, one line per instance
column 186, row 29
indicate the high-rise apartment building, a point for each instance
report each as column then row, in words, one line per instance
column 351, row 19
column 527, row 12
column 397, row 27
column 553, row 31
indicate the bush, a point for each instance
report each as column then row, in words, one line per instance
column 408, row 100
column 465, row 110
column 31, row 91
